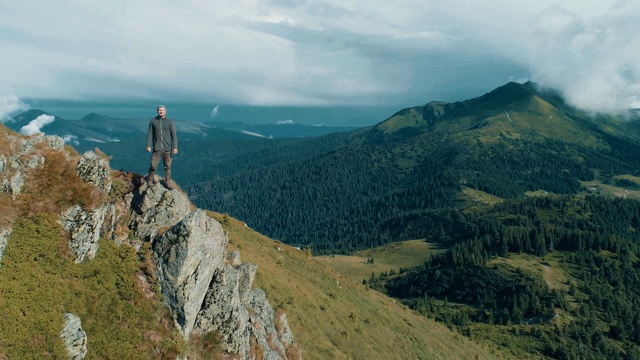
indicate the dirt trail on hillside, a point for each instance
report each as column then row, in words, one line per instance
column 547, row 276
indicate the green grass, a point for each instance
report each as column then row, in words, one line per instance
column 598, row 187
column 39, row 283
column 548, row 268
column 389, row 257
column 409, row 118
column 478, row 197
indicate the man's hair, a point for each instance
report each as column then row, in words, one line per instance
column 161, row 106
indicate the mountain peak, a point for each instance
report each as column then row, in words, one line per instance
column 507, row 94
column 29, row 115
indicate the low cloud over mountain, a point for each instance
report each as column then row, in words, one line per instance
column 36, row 124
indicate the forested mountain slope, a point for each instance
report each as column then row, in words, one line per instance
column 343, row 192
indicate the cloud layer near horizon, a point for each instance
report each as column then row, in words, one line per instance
column 298, row 52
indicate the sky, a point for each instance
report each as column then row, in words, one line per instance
column 324, row 52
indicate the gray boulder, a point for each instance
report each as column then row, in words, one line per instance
column 156, row 208
column 16, row 183
column 225, row 308
column 263, row 327
column 186, row 257
column 74, row 337
column 95, row 169
column 85, row 228
column 4, row 238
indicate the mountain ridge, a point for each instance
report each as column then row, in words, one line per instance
column 95, row 129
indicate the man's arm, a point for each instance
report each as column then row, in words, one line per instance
column 174, row 137
column 150, row 135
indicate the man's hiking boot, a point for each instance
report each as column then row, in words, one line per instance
column 167, row 184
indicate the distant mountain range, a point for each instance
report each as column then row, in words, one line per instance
column 95, row 129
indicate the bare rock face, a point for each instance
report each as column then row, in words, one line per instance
column 95, row 169
column 156, row 208
column 4, row 237
column 263, row 327
column 225, row 308
column 85, row 228
column 186, row 257
column 207, row 293
column 74, row 337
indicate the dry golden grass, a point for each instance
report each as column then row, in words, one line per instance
column 334, row 317
column 7, row 211
column 55, row 187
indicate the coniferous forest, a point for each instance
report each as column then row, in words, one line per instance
column 595, row 315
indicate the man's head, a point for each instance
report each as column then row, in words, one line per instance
column 162, row 111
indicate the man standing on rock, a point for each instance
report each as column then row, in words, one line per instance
column 162, row 139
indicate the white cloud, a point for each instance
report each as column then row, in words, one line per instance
column 36, row 124
column 593, row 61
column 214, row 111
column 285, row 122
column 10, row 105
column 318, row 52
column 71, row 139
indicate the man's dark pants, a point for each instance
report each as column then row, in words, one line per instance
column 155, row 159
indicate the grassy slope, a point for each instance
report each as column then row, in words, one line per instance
column 39, row 283
column 334, row 317
column 389, row 257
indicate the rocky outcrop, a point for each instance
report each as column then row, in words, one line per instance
column 155, row 209
column 226, row 307
column 273, row 344
column 206, row 291
column 22, row 157
column 95, row 169
column 85, row 228
column 4, row 237
column 74, row 337
column 186, row 258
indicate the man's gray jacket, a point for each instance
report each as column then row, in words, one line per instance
column 161, row 135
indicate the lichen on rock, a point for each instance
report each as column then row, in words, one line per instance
column 85, row 228
column 95, row 169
